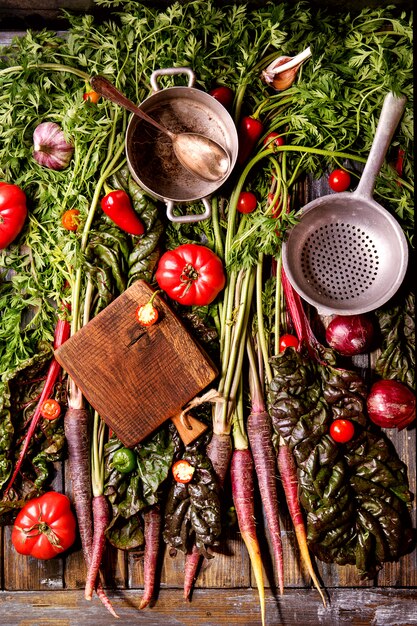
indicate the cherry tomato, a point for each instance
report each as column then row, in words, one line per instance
column 45, row 526
column 191, row 274
column 70, row 219
column 224, row 95
column 183, row 471
column 339, row 180
column 246, row 202
column 342, row 430
column 273, row 139
column 91, row 96
column 50, row 409
column 288, row 341
column 124, row 460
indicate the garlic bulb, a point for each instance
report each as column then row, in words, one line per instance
column 51, row 149
column 281, row 73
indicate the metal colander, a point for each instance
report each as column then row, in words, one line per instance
column 347, row 254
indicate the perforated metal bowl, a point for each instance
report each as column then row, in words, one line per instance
column 348, row 255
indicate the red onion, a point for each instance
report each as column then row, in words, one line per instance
column 350, row 334
column 391, row 404
column 51, row 149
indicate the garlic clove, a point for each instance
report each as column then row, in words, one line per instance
column 281, row 73
column 51, row 149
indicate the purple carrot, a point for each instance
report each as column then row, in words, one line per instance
column 101, row 518
column 260, row 431
column 152, row 517
column 259, row 428
column 62, row 332
column 241, row 473
column 76, row 426
column 288, row 471
column 219, row 451
column 192, row 562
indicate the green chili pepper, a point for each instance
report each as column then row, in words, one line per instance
column 124, row 460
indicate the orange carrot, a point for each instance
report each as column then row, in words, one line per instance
column 288, row 471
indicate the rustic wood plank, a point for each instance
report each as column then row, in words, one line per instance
column 364, row 607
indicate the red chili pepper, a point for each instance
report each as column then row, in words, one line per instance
column 117, row 205
column 250, row 130
column 183, row 471
column 50, row 409
column 147, row 314
column 13, row 213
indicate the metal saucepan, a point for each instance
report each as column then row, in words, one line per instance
column 150, row 155
column 347, row 254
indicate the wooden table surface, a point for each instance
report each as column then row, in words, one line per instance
column 50, row 593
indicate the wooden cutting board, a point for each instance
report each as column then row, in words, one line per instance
column 136, row 377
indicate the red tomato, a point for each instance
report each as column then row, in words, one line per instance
column 246, row 202
column 91, row 96
column 224, row 95
column 45, row 526
column 273, row 139
column 339, row 180
column 70, row 219
column 13, row 213
column 191, row 274
column 50, row 409
column 342, row 430
column 183, row 471
column 288, row 341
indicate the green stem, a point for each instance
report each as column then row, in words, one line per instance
column 261, row 326
column 57, row 67
column 240, row 438
column 277, row 321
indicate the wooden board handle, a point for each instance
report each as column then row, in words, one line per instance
column 188, row 435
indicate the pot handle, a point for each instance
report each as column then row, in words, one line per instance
column 186, row 219
column 171, row 71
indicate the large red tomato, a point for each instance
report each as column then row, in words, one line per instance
column 191, row 274
column 45, row 526
column 13, row 213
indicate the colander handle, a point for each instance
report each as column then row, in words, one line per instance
column 187, row 219
column 391, row 114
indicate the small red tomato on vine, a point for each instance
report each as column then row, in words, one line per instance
column 50, row 409
column 91, row 96
column 339, row 180
column 273, row 139
column 191, row 274
column 224, row 95
column 342, row 430
column 246, row 202
column 45, row 526
column 147, row 314
column 182, row 471
column 288, row 341
column 70, row 219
